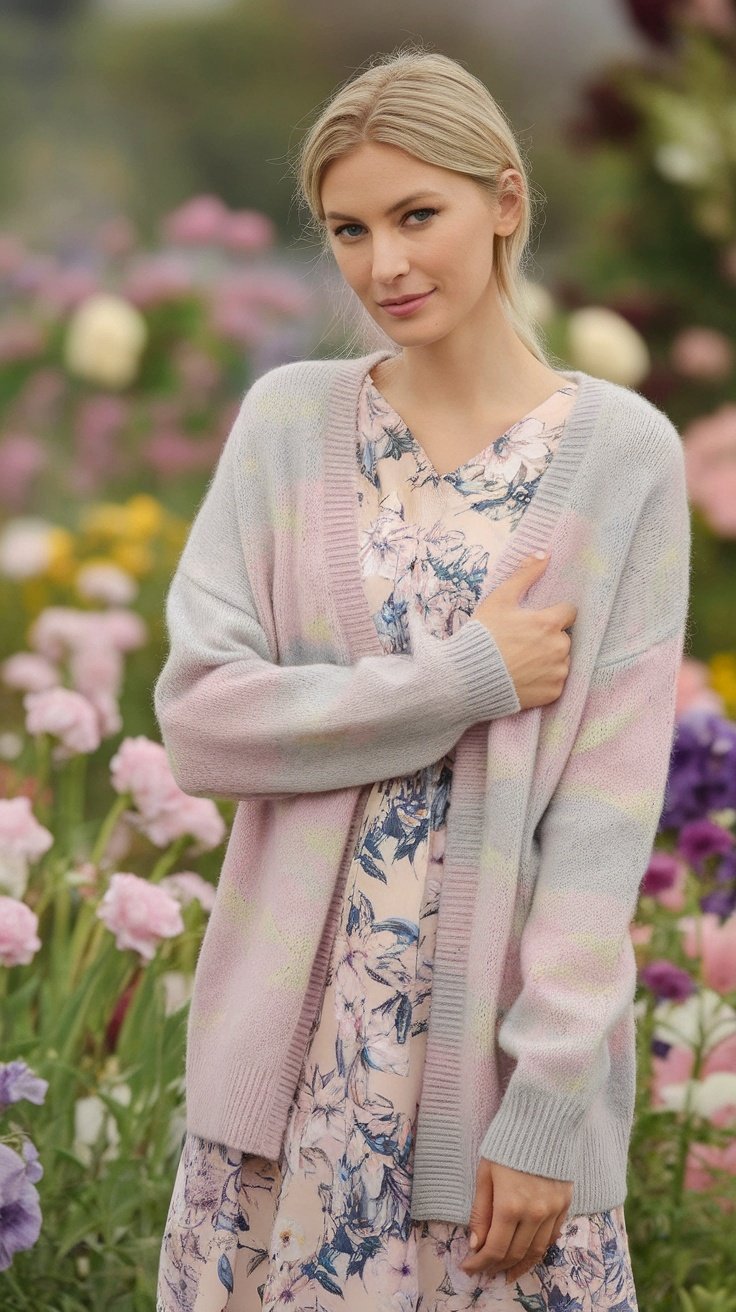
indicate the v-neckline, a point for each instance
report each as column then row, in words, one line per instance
column 452, row 474
column 341, row 507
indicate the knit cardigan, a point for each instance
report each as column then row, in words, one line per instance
column 277, row 692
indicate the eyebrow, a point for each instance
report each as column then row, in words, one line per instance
column 399, row 204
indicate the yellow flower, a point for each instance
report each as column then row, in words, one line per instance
column 722, row 670
column 105, row 520
column 145, row 516
column 62, row 563
column 135, row 557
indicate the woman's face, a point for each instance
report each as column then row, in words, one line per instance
column 439, row 241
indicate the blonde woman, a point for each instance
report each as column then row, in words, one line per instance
column 410, row 1052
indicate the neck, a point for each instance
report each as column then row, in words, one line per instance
column 469, row 372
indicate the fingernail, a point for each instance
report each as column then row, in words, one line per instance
column 540, row 555
column 473, row 1239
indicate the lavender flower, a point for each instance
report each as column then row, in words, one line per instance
column 726, row 869
column 20, row 1209
column 18, row 1081
column 702, row 770
column 722, row 902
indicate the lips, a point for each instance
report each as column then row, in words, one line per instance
column 401, row 300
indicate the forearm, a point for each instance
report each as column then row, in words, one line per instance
column 235, row 724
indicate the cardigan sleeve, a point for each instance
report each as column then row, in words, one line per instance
column 237, row 724
column 577, row 961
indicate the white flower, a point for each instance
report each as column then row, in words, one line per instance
column 678, row 163
column 177, row 989
column 704, row 1017
column 705, row 1096
column 26, row 545
column 93, row 1119
column 106, row 581
column 104, row 340
column 11, row 745
column 603, row 343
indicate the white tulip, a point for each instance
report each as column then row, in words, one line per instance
column 603, row 343
column 104, row 340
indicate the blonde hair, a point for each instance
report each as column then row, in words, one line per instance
column 430, row 106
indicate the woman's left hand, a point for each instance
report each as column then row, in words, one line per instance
column 516, row 1217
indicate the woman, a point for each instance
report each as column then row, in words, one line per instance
column 442, row 807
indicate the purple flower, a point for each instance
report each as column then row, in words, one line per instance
column 34, row 1169
column 726, row 869
column 661, row 873
column 20, row 1209
column 667, row 981
column 702, row 769
column 699, row 839
column 18, row 1081
column 721, row 902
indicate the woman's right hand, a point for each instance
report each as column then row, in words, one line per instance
column 533, row 644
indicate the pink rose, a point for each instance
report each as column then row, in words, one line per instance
column 186, row 885
column 710, row 463
column 141, row 767
column 65, row 714
column 693, row 688
column 139, row 914
column 196, row 816
column 30, row 672
column 20, row 831
column 702, row 353
column 199, row 221
column 57, row 629
column 19, row 939
column 247, row 230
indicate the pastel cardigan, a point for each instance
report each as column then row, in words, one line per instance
column 277, row 692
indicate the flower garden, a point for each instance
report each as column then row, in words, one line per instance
column 121, row 374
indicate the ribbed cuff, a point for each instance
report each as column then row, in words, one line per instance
column 535, row 1132
column 486, row 688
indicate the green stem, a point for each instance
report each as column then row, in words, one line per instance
column 169, row 858
column 8, row 1275
column 122, row 803
column 42, row 746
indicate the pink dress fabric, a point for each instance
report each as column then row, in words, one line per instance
column 328, row 1226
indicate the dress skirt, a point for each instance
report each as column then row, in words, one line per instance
column 328, row 1225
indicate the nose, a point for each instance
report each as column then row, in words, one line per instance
column 390, row 262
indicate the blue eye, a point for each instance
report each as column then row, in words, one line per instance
column 409, row 213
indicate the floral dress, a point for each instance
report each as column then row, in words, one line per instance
column 328, row 1226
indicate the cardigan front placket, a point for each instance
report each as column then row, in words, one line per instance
column 440, row 1135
